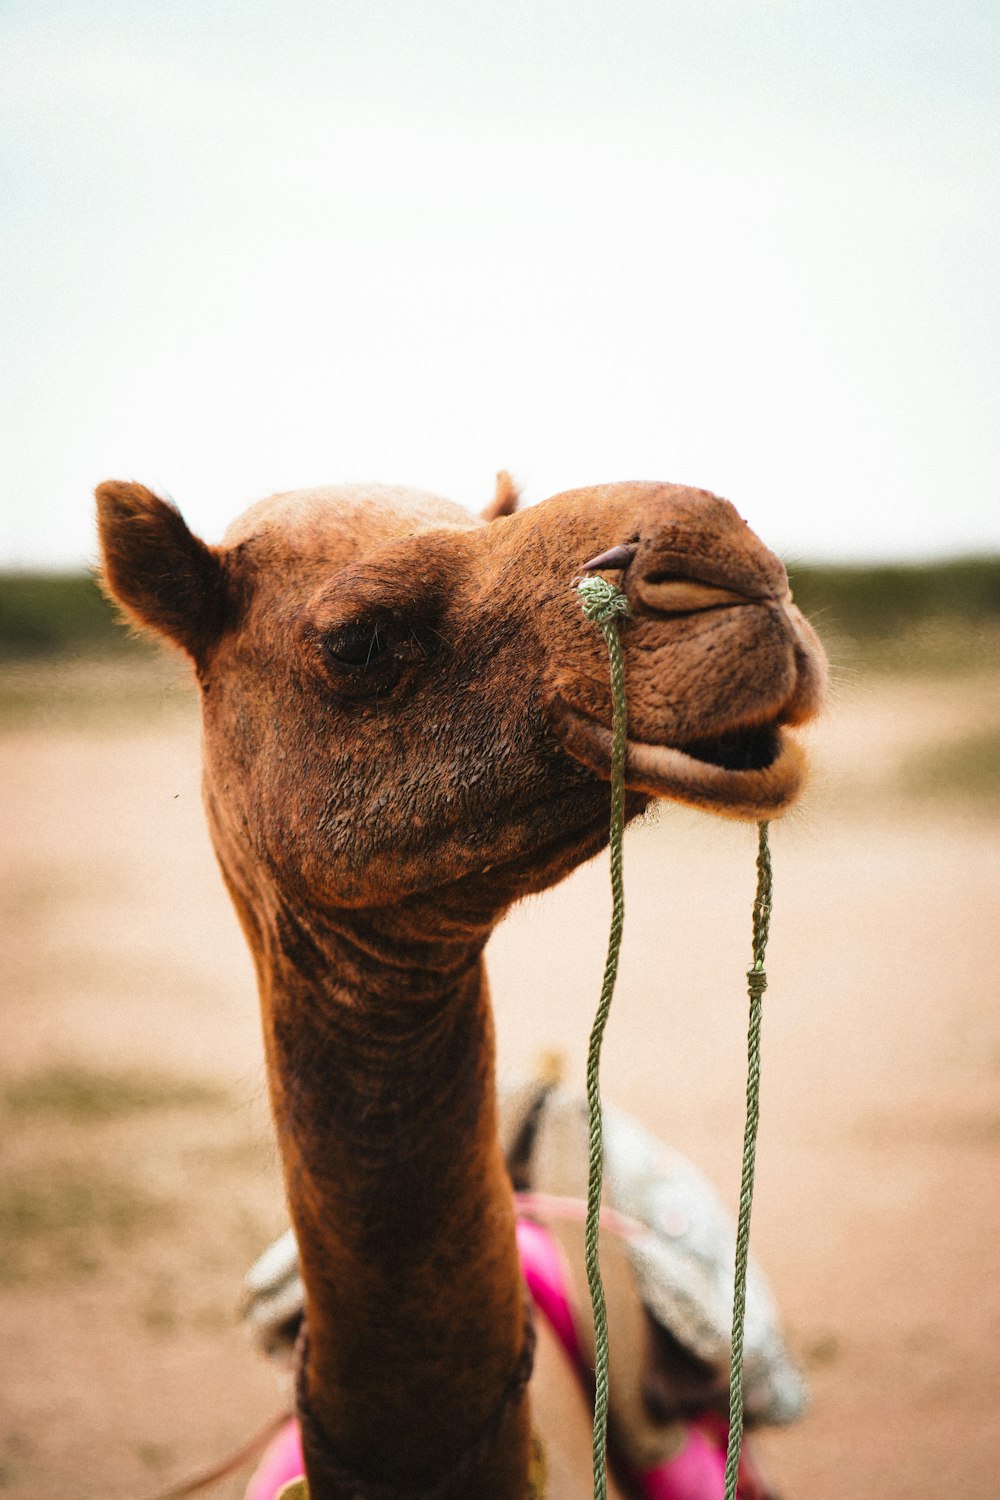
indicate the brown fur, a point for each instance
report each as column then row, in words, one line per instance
column 375, row 818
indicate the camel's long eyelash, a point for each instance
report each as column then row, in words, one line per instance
column 356, row 646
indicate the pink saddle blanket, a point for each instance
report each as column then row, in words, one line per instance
column 697, row 1472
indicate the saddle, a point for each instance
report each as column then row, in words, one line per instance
column 667, row 1255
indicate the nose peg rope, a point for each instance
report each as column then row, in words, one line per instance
column 604, row 605
column 756, row 985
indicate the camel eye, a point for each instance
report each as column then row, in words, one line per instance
column 366, row 656
column 359, row 644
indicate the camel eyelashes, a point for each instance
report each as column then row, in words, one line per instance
column 365, row 656
column 357, row 644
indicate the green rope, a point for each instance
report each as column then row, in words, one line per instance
column 756, row 985
column 603, row 604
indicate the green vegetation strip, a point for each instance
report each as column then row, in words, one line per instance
column 966, row 770
column 59, row 1219
column 65, row 614
column 84, row 1096
column 888, row 597
column 906, row 618
column 53, row 614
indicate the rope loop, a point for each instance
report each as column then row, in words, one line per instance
column 601, row 601
column 756, row 983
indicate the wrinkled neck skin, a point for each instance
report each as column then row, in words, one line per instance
column 380, row 1055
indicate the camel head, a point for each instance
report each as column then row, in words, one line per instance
column 402, row 702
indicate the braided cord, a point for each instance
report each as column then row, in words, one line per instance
column 756, row 985
column 603, row 604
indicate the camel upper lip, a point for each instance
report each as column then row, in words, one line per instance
column 751, row 771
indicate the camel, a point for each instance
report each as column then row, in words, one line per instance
column 406, row 729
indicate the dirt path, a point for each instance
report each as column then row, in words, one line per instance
column 138, row 1177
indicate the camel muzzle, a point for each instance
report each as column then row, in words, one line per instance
column 683, row 570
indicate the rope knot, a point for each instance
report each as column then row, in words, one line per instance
column 601, row 601
column 756, row 983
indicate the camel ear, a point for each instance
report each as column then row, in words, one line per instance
column 505, row 501
column 163, row 576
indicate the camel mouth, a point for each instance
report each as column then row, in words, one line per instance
column 755, row 748
column 748, row 771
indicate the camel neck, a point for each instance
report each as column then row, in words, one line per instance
column 382, row 1079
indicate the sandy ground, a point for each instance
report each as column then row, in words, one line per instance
column 138, row 1178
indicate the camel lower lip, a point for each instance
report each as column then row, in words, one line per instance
column 753, row 772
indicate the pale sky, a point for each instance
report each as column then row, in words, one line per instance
column 746, row 244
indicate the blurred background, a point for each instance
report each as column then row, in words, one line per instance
column 744, row 244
